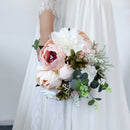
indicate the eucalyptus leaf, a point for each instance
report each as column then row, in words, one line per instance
column 76, row 73
column 77, row 85
column 72, row 83
column 84, row 76
column 91, row 102
column 94, row 84
column 98, row 99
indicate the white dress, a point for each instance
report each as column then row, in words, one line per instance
column 35, row 112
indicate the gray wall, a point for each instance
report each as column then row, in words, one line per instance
column 17, row 28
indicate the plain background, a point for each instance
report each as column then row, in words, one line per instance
column 18, row 20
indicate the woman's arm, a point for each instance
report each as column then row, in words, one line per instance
column 46, row 19
column 46, row 25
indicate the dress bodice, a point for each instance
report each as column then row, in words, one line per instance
column 48, row 5
column 69, row 11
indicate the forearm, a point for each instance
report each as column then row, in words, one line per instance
column 46, row 19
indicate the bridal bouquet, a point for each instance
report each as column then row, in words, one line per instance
column 72, row 67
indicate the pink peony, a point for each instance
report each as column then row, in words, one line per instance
column 52, row 56
column 48, row 79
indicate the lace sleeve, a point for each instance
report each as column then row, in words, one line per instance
column 49, row 5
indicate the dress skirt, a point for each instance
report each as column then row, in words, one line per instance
column 36, row 112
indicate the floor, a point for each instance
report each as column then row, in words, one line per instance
column 5, row 127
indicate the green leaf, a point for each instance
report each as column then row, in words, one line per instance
column 85, row 81
column 56, row 72
column 94, row 84
column 84, row 94
column 83, row 87
column 78, row 53
column 100, row 88
column 108, row 90
column 91, row 102
column 72, row 83
column 87, row 94
column 96, row 106
column 77, row 85
column 60, row 88
column 84, row 76
column 35, row 45
column 105, row 86
column 76, row 73
column 97, row 77
column 72, row 52
column 72, row 62
column 98, row 99
column 79, row 60
column 66, row 98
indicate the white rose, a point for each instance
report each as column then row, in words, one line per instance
column 66, row 72
column 48, row 79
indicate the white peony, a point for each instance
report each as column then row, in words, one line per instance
column 68, row 40
column 91, row 71
column 48, row 79
column 66, row 72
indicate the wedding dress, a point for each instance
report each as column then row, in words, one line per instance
column 35, row 112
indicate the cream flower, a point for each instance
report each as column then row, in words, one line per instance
column 68, row 40
column 48, row 79
column 66, row 72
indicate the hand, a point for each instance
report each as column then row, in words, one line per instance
column 41, row 43
column 38, row 51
